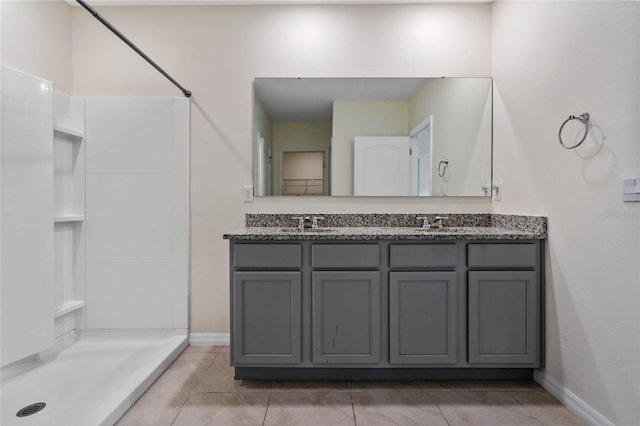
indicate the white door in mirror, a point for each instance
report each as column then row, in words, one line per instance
column 381, row 165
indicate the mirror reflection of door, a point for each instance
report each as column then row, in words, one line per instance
column 421, row 158
column 382, row 165
column 303, row 173
column 262, row 172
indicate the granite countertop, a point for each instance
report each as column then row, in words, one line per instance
column 380, row 233
column 269, row 227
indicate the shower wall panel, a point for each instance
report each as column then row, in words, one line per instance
column 27, row 215
column 137, row 213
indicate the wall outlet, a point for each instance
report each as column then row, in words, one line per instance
column 247, row 193
column 497, row 191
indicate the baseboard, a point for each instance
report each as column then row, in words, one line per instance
column 209, row 339
column 570, row 400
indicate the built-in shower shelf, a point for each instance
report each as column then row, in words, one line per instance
column 69, row 306
column 68, row 133
column 69, row 218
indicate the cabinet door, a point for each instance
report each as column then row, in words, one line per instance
column 346, row 317
column 504, row 317
column 422, row 317
column 267, row 318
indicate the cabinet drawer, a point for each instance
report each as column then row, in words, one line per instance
column 423, row 255
column 345, row 256
column 502, row 255
column 266, row 256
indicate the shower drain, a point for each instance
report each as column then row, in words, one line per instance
column 31, row 409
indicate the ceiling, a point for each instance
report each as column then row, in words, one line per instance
column 259, row 2
column 311, row 99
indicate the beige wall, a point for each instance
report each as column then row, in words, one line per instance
column 218, row 51
column 36, row 39
column 361, row 118
column 550, row 60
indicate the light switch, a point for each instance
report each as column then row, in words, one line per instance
column 631, row 188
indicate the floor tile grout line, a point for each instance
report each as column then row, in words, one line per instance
column 526, row 409
column 433, row 398
column 180, row 410
column 264, row 419
column 204, row 370
column 353, row 408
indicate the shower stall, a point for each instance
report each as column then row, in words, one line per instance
column 94, row 250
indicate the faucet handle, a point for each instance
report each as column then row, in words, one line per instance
column 441, row 220
column 425, row 221
column 300, row 220
column 315, row 221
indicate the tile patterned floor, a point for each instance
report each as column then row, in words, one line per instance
column 199, row 389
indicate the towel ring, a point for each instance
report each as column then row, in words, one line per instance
column 584, row 119
column 442, row 167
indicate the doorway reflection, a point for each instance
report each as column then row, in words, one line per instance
column 303, row 173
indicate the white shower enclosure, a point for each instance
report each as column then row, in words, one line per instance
column 137, row 213
column 95, row 238
column 26, row 231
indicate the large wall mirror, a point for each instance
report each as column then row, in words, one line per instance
column 372, row 136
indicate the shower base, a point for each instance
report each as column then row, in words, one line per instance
column 94, row 381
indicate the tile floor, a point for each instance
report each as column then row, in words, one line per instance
column 199, row 389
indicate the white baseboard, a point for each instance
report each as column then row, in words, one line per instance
column 209, row 339
column 570, row 400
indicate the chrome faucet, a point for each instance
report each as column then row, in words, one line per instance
column 441, row 220
column 314, row 224
column 425, row 222
column 305, row 222
column 300, row 220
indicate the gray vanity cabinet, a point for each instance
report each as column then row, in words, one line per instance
column 504, row 304
column 422, row 318
column 346, row 317
column 267, row 317
column 423, row 300
column 504, row 317
column 386, row 308
column 346, row 304
column 266, row 304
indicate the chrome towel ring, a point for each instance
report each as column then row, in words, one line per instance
column 442, row 167
column 584, row 119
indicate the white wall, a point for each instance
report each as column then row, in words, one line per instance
column 218, row 51
column 550, row 60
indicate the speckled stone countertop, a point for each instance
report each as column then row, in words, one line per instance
column 281, row 227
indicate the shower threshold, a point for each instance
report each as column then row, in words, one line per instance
column 92, row 382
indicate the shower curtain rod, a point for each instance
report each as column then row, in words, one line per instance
column 186, row 92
